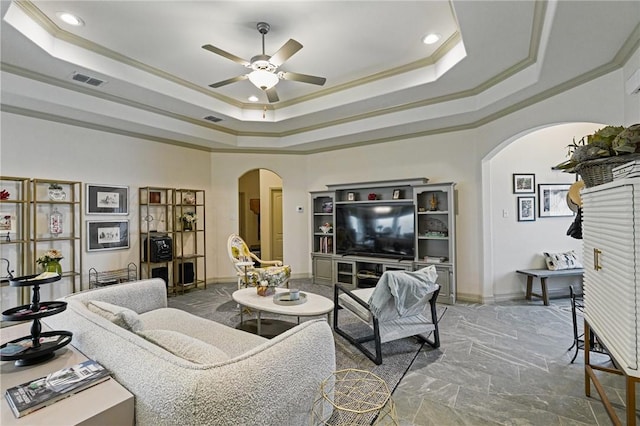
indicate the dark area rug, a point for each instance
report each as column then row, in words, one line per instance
column 215, row 303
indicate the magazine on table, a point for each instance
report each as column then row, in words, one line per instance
column 31, row 396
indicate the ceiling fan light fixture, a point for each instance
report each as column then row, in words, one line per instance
column 431, row 38
column 263, row 80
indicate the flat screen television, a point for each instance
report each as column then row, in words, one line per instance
column 380, row 230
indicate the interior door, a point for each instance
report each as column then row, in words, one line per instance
column 277, row 252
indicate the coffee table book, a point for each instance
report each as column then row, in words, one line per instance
column 31, row 396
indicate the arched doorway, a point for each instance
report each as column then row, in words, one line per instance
column 260, row 212
column 509, row 244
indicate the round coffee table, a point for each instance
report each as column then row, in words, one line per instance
column 314, row 306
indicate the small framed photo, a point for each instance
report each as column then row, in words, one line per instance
column 552, row 200
column 103, row 199
column 107, row 235
column 7, row 224
column 526, row 209
column 351, row 196
column 524, row 183
column 396, row 194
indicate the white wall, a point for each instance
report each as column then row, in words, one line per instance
column 225, row 171
column 37, row 148
column 632, row 102
column 520, row 244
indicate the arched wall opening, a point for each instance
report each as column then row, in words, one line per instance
column 509, row 244
column 260, row 212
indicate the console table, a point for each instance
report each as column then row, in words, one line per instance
column 543, row 274
column 105, row 403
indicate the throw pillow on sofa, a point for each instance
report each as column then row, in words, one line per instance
column 185, row 347
column 120, row 316
column 559, row 261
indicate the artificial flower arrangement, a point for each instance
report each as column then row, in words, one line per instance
column 609, row 141
column 189, row 217
column 594, row 156
column 52, row 255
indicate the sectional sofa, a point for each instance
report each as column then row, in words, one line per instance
column 188, row 370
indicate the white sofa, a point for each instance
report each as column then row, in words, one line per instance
column 250, row 380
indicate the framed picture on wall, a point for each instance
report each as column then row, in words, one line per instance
column 524, row 183
column 552, row 200
column 103, row 199
column 526, row 209
column 107, row 235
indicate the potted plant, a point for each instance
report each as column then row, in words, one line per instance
column 594, row 156
column 50, row 261
column 188, row 219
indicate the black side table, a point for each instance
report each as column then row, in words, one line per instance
column 577, row 307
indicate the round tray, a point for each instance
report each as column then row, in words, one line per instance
column 28, row 280
column 283, row 299
column 54, row 340
column 24, row 312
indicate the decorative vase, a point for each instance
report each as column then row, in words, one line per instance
column 57, row 194
column 189, row 198
column 265, row 290
column 53, row 266
column 187, row 226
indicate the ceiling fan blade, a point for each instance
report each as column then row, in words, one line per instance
column 227, row 55
column 304, row 78
column 285, row 52
column 229, row 81
column 272, row 95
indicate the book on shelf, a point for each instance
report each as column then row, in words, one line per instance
column 326, row 245
column 31, row 396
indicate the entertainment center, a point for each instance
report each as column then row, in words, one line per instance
column 361, row 230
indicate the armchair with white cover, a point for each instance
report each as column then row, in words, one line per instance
column 273, row 271
column 402, row 304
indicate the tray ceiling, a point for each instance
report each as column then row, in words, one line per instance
column 382, row 83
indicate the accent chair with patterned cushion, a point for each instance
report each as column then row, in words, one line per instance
column 273, row 271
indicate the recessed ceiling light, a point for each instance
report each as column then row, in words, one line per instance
column 253, row 98
column 431, row 38
column 70, row 19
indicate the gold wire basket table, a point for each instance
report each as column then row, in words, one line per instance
column 354, row 397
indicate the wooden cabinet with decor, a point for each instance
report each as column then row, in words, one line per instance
column 189, row 267
column 156, row 227
column 436, row 234
column 611, row 243
column 55, row 223
column 322, row 236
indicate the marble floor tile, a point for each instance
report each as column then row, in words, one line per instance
column 498, row 364
column 511, row 365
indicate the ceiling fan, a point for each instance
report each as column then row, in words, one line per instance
column 264, row 74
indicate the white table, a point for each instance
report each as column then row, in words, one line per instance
column 107, row 403
column 314, row 306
